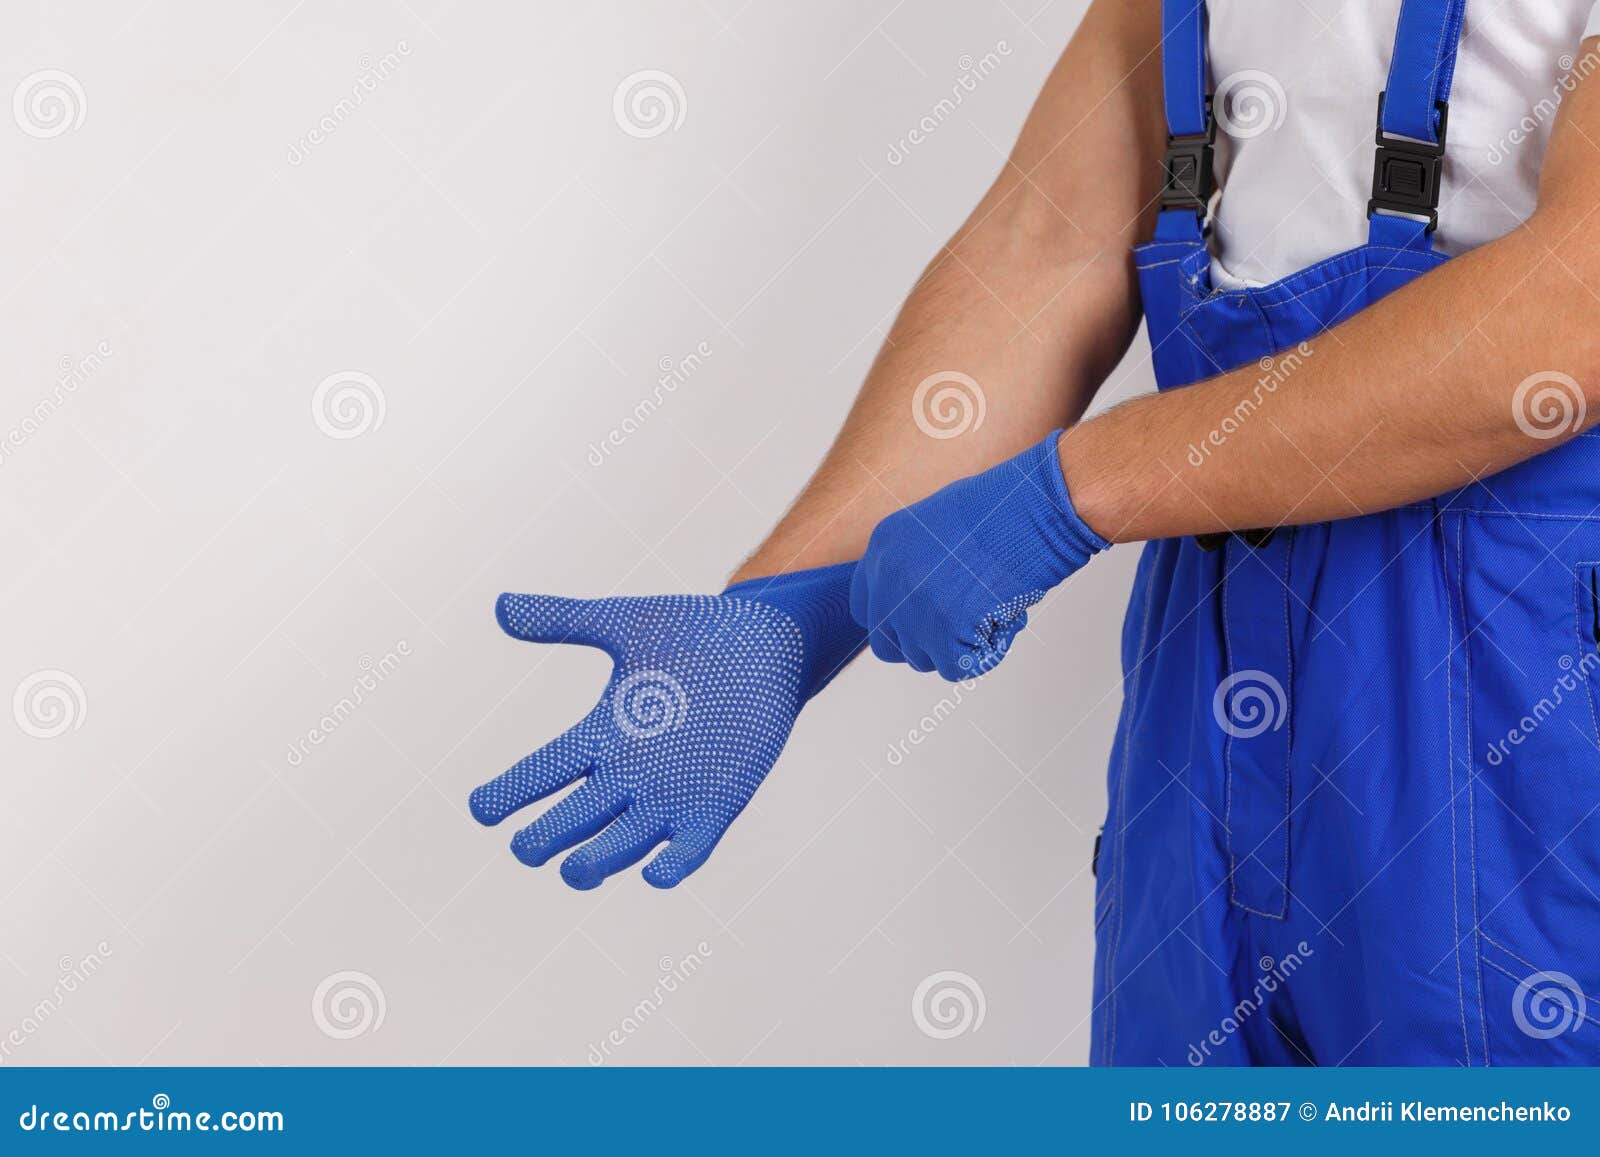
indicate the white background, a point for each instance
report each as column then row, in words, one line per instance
column 481, row 237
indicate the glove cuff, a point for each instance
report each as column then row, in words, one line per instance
column 818, row 601
column 1069, row 541
column 1031, row 528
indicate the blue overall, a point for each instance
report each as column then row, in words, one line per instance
column 1354, row 806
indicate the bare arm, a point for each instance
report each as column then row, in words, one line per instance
column 1408, row 399
column 1034, row 299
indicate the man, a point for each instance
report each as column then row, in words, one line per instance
column 1354, row 792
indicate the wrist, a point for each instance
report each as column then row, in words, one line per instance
column 1061, row 542
column 1101, row 497
column 817, row 601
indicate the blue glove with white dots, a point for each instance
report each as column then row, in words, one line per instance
column 702, row 696
column 946, row 582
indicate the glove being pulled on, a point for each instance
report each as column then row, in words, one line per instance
column 703, row 693
column 946, row 582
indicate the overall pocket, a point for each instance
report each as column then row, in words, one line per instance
column 1531, row 598
column 1586, row 583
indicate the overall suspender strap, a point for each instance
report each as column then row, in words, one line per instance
column 1413, row 121
column 1183, row 65
column 1191, row 130
column 1423, row 68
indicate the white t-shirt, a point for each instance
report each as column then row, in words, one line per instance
column 1296, row 86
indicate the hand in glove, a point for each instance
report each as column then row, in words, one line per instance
column 703, row 694
column 946, row 582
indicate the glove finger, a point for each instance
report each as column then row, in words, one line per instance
column 551, row 619
column 1000, row 640
column 858, row 595
column 885, row 646
column 960, row 668
column 533, row 777
column 620, row 846
column 690, row 847
column 918, row 659
column 581, row 815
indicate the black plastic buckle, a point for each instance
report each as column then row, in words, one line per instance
column 1408, row 175
column 1191, row 178
column 1256, row 539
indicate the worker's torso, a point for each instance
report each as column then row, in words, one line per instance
column 1355, row 795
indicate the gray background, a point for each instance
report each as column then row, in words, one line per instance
column 481, row 237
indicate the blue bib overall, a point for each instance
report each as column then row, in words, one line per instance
column 1355, row 793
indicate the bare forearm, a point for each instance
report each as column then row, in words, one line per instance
column 903, row 440
column 1021, row 315
column 1429, row 389
column 1410, row 399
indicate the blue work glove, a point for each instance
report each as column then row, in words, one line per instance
column 704, row 691
column 946, row 582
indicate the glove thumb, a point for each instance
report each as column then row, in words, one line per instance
column 550, row 619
